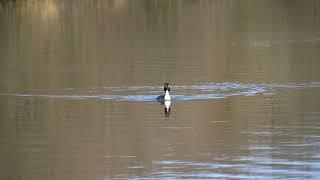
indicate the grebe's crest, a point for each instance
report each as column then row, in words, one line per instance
column 166, row 87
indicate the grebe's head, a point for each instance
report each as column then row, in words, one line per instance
column 166, row 87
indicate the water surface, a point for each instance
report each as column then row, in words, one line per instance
column 80, row 78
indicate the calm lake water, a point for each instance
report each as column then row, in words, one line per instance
column 79, row 80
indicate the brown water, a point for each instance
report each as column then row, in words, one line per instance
column 80, row 78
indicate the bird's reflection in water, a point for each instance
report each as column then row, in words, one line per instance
column 165, row 99
column 167, row 108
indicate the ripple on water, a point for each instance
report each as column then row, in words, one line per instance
column 149, row 93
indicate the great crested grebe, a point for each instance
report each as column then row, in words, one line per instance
column 166, row 96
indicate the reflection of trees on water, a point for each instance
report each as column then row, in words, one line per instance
column 6, row 2
column 208, row 40
column 94, row 42
column 159, row 12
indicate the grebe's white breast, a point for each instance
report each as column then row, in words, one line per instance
column 167, row 96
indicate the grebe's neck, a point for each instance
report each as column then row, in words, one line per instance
column 167, row 96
